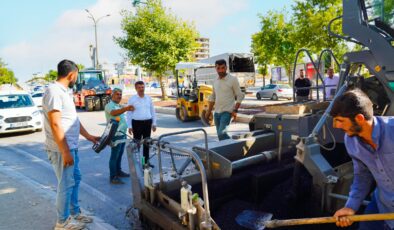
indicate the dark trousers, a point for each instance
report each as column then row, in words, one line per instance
column 142, row 129
column 115, row 160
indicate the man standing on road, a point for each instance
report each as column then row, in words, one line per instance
column 143, row 119
column 62, row 130
column 331, row 83
column 113, row 110
column 369, row 142
column 302, row 82
column 226, row 92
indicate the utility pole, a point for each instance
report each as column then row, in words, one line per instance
column 95, row 21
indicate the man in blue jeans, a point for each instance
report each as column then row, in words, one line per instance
column 113, row 110
column 369, row 140
column 62, row 130
column 227, row 97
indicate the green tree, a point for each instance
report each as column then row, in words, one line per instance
column 156, row 39
column 311, row 19
column 51, row 75
column 6, row 75
column 80, row 67
column 275, row 43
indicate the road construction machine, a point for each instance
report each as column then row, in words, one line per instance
column 91, row 92
column 192, row 96
column 291, row 163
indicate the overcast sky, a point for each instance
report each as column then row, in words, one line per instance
column 36, row 35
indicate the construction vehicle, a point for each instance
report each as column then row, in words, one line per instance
column 192, row 97
column 292, row 165
column 91, row 91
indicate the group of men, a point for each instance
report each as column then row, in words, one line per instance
column 62, row 130
column 368, row 140
column 303, row 86
column 139, row 117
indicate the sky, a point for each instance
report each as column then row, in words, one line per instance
column 36, row 35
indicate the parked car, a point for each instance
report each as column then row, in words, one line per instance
column 37, row 98
column 275, row 91
column 253, row 90
column 18, row 112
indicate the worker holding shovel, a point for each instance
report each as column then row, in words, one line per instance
column 369, row 140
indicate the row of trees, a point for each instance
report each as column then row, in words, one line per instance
column 6, row 75
column 282, row 35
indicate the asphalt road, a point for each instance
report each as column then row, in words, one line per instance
column 23, row 154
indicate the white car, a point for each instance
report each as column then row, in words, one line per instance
column 18, row 112
column 37, row 98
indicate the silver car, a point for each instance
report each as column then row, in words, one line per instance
column 275, row 91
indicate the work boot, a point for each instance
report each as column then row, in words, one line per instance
column 116, row 180
column 70, row 224
column 123, row 174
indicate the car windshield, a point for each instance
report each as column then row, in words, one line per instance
column 15, row 101
column 91, row 77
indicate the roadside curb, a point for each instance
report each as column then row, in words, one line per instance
column 242, row 118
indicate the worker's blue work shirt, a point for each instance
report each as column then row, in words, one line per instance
column 373, row 166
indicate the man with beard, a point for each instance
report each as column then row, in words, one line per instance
column 369, row 141
column 226, row 92
column 62, row 130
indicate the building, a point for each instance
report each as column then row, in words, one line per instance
column 203, row 51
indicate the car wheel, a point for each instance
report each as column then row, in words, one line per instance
column 274, row 97
column 258, row 96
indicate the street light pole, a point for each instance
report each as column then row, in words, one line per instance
column 95, row 21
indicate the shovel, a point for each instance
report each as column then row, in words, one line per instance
column 260, row 220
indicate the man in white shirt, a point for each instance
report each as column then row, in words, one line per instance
column 331, row 83
column 143, row 119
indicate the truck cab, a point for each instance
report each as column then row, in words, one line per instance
column 91, row 91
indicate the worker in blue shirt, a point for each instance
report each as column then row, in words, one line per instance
column 369, row 140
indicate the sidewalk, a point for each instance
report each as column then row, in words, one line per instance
column 26, row 204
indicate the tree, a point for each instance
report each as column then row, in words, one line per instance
column 156, row 40
column 51, row 75
column 281, row 37
column 80, row 67
column 311, row 19
column 275, row 42
column 6, row 75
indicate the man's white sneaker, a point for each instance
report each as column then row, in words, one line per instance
column 70, row 224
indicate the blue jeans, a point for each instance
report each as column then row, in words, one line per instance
column 115, row 160
column 68, row 180
column 222, row 121
column 372, row 208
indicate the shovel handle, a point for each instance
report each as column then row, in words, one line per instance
column 326, row 220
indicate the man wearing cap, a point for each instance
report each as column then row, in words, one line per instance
column 114, row 110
